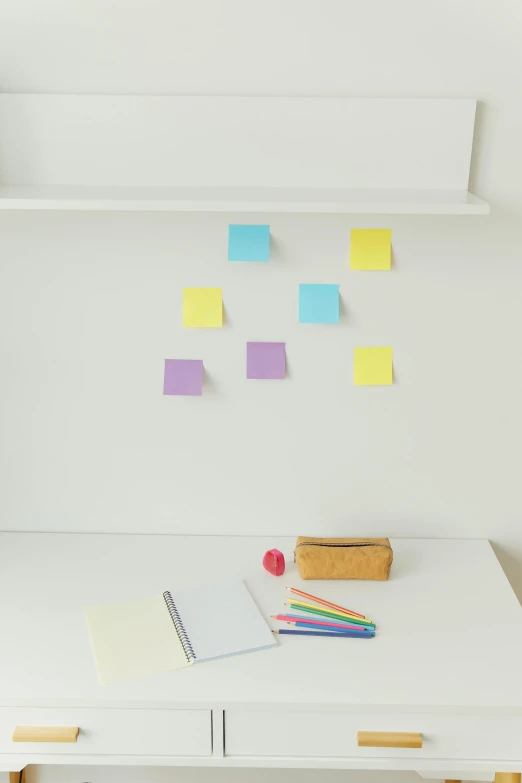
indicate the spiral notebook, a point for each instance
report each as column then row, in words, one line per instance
column 174, row 630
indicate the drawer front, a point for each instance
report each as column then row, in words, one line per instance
column 112, row 731
column 334, row 735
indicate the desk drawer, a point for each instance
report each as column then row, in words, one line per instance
column 112, row 732
column 331, row 735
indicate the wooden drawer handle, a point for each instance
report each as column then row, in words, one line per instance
column 388, row 739
column 45, row 734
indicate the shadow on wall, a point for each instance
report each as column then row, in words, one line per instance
column 62, row 774
column 510, row 560
column 478, row 150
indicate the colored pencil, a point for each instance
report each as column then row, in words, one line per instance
column 333, row 615
column 347, row 635
column 331, row 611
column 332, row 630
column 330, row 616
column 296, row 618
column 324, row 603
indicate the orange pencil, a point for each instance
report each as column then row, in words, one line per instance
column 325, row 603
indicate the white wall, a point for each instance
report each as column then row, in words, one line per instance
column 89, row 304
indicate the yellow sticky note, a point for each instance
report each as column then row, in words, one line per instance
column 370, row 248
column 202, row 307
column 372, row 367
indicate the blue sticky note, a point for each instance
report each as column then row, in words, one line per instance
column 318, row 304
column 248, row 243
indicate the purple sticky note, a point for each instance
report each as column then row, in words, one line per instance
column 183, row 377
column 266, row 360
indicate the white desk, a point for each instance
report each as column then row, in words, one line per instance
column 446, row 662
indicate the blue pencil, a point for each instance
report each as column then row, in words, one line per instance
column 343, row 634
column 325, row 629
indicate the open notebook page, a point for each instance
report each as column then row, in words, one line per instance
column 134, row 639
column 222, row 619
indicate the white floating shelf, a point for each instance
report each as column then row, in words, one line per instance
column 222, row 154
column 309, row 200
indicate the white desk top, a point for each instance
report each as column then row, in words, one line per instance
column 449, row 627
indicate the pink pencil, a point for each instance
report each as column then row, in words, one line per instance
column 324, row 603
column 293, row 618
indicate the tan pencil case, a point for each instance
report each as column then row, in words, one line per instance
column 343, row 558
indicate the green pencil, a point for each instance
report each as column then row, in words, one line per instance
column 323, row 613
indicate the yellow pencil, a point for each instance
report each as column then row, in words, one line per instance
column 330, row 611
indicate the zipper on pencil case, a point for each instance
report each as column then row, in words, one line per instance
column 346, row 546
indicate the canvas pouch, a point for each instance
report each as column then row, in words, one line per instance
column 343, row 558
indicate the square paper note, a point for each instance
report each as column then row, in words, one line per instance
column 370, row 249
column 202, row 307
column 372, row 367
column 183, row 377
column 266, row 360
column 248, row 243
column 318, row 304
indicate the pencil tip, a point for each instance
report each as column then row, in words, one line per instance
column 275, row 631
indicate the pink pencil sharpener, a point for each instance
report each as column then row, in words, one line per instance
column 274, row 562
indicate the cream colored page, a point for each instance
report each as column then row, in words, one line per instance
column 134, row 639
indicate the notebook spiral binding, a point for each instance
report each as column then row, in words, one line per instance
column 180, row 628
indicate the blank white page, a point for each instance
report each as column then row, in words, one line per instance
column 222, row 619
column 134, row 639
